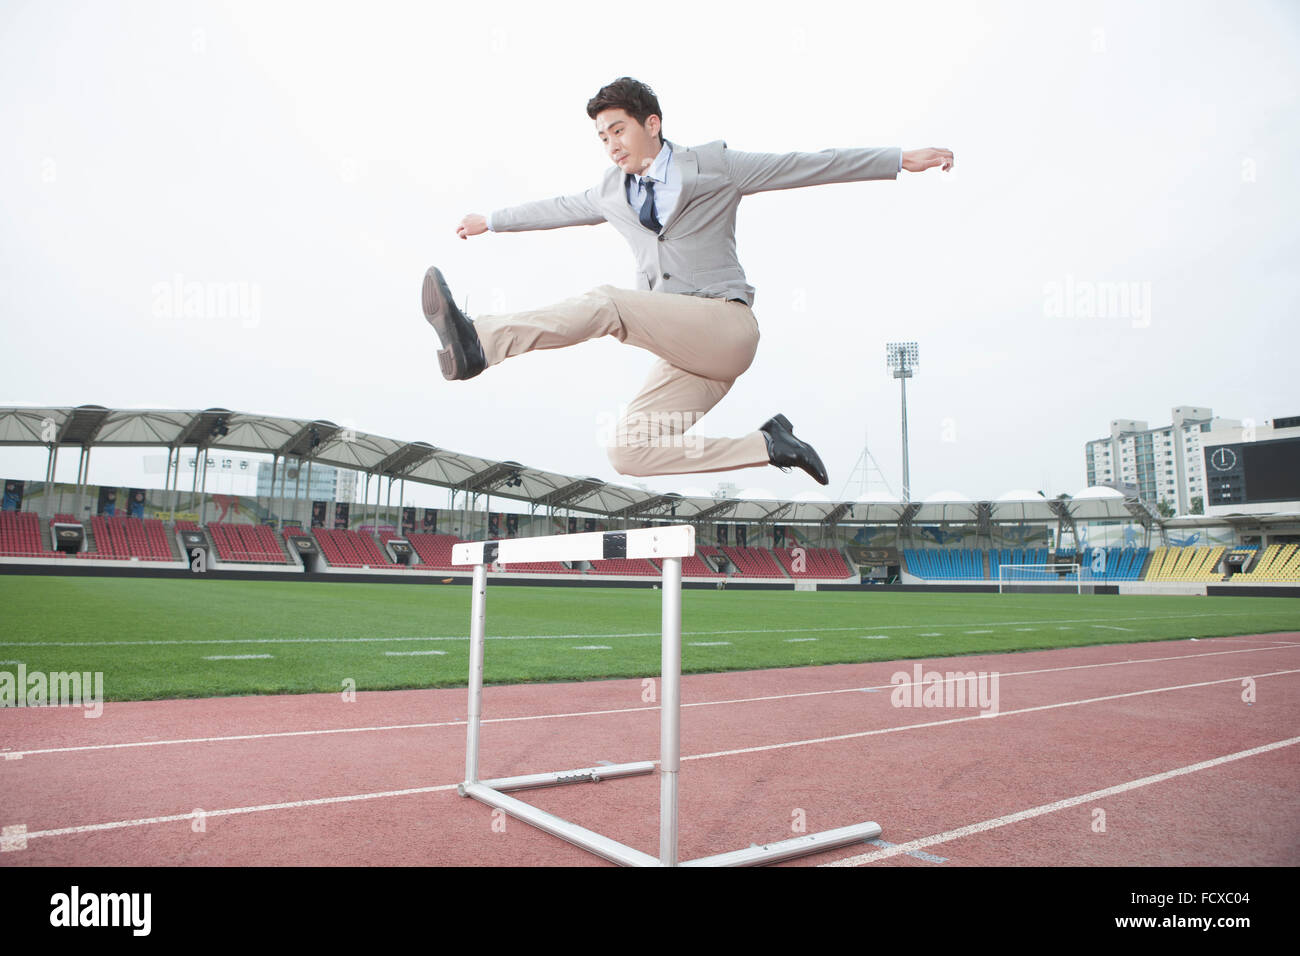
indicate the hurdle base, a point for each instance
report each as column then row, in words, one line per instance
column 584, row 775
column 789, row 849
column 581, row 837
column 489, row 792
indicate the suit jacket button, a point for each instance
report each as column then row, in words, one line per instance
column 661, row 238
column 667, row 276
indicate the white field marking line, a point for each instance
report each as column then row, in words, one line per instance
column 411, row 653
column 709, row 644
column 292, row 805
column 569, row 637
column 892, row 851
column 982, row 716
column 239, row 657
column 594, row 647
column 19, row 754
column 913, row 845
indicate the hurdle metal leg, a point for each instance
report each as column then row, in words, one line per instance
column 670, row 731
column 477, row 633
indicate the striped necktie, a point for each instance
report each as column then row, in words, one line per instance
column 648, row 218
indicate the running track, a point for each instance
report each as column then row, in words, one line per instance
column 1156, row 736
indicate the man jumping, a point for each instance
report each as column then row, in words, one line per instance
column 691, row 307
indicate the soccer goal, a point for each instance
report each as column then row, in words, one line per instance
column 1044, row 579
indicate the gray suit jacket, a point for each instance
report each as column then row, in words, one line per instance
column 695, row 252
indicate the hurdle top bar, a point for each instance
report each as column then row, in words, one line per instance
column 671, row 541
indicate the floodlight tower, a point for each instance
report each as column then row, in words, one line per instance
column 903, row 358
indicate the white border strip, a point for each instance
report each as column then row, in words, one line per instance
column 673, row 541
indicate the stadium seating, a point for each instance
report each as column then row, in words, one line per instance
column 817, row 563
column 1119, row 564
column 435, row 550
column 247, row 543
column 350, row 549
column 1279, row 563
column 753, row 562
column 20, row 536
column 1186, row 564
column 702, row 563
column 946, row 565
column 122, row 537
column 624, row 566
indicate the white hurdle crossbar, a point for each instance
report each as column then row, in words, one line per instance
column 671, row 544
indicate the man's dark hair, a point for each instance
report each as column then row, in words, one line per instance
column 632, row 96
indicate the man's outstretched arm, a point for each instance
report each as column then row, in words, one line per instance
column 577, row 210
column 759, row 172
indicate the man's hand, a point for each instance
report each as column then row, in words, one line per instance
column 471, row 225
column 919, row 160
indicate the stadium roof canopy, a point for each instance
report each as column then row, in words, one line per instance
column 322, row 441
column 1241, row 523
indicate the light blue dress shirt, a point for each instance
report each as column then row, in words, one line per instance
column 668, row 186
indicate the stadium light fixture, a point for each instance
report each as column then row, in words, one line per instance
column 903, row 358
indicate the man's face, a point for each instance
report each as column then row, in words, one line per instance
column 631, row 146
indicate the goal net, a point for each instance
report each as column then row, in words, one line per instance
column 1044, row 579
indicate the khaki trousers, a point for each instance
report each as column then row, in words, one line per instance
column 703, row 346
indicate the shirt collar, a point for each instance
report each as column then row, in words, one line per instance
column 659, row 168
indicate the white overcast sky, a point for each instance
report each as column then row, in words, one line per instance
column 321, row 155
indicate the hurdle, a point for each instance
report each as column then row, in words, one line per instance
column 670, row 544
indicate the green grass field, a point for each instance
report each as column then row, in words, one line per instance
column 150, row 637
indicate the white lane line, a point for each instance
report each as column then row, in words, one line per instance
column 18, row 755
column 981, row 716
column 594, row 647
column 892, row 851
column 709, row 644
column 977, row 632
column 239, row 657
column 877, row 637
column 569, row 637
column 799, row 640
column 928, row 857
column 233, row 811
column 13, row 838
column 932, row 634
column 914, row 845
column 411, row 653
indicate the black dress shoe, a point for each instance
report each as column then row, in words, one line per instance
column 786, row 451
column 461, row 356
